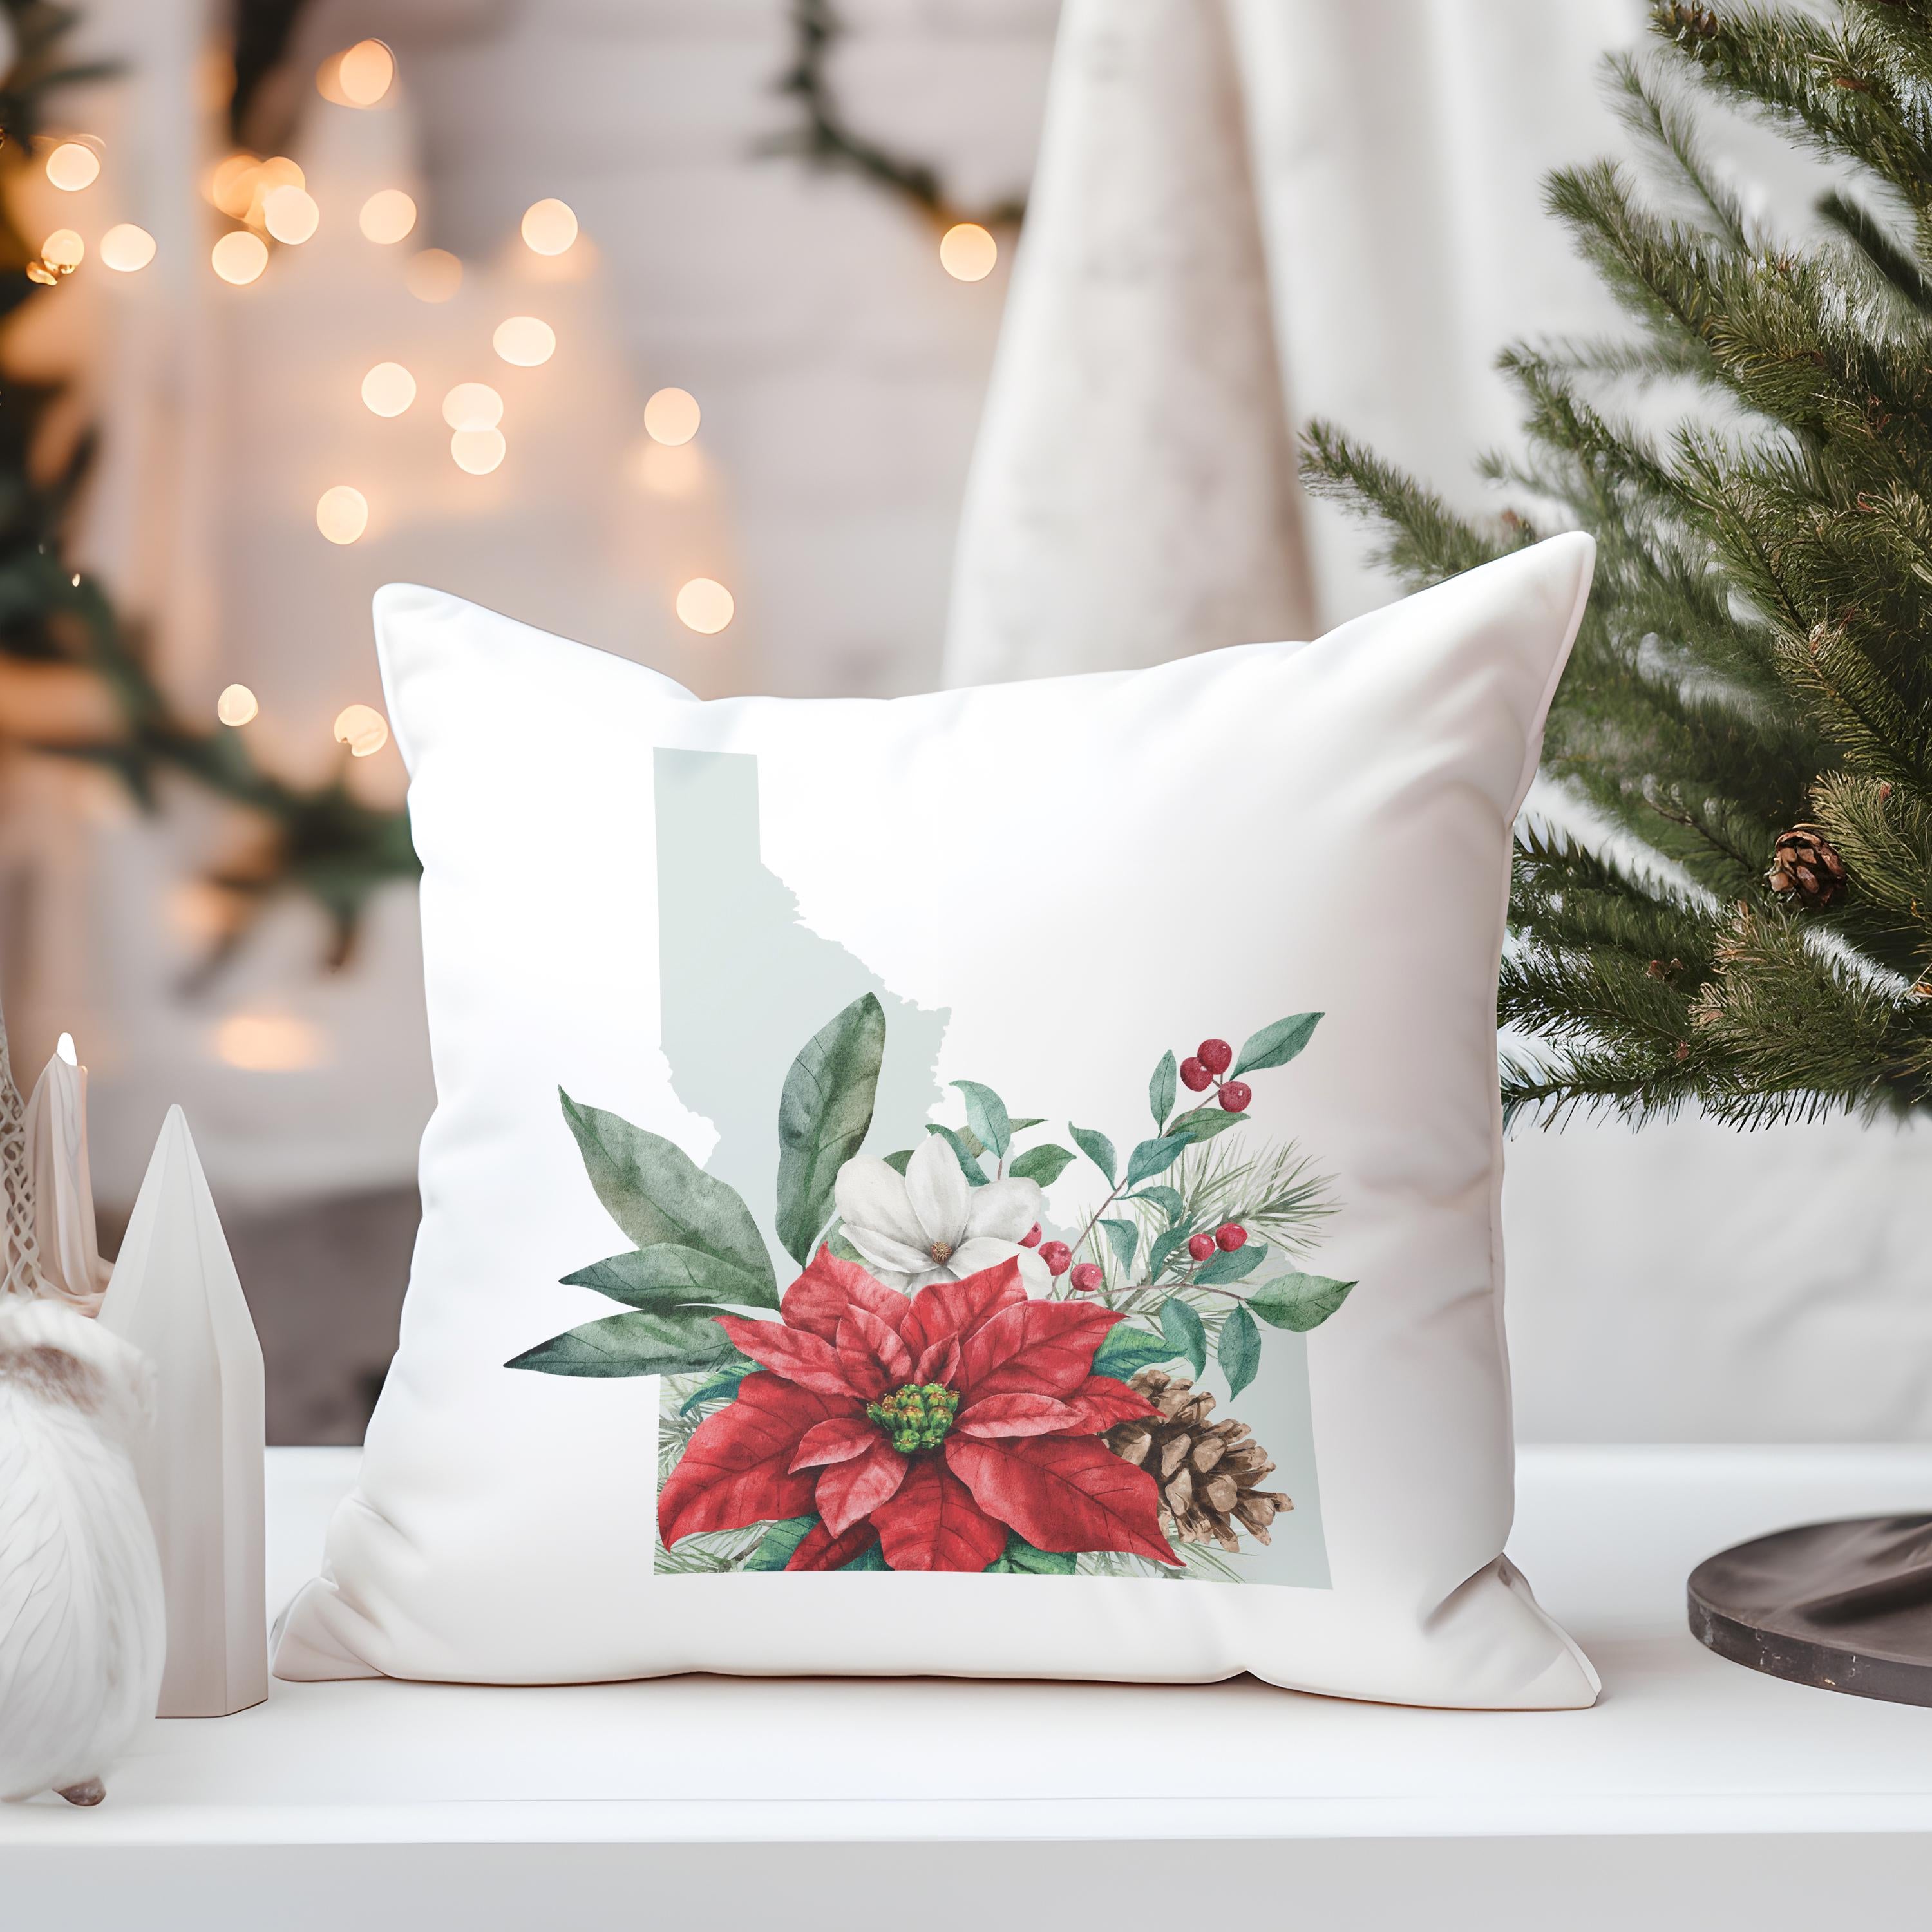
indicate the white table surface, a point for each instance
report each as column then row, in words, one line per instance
column 1694, row 1784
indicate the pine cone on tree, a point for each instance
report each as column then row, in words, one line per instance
column 1805, row 866
column 1207, row 1472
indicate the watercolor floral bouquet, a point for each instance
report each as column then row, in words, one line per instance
column 951, row 1382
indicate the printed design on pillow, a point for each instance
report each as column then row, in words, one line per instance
column 953, row 1382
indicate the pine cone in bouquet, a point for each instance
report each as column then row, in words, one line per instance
column 1206, row 1471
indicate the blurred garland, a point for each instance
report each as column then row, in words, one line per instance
column 56, row 621
column 828, row 140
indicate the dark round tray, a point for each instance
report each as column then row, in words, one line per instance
column 1842, row 1605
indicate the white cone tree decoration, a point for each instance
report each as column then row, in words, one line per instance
column 69, row 1253
column 1133, row 494
column 175, row 1294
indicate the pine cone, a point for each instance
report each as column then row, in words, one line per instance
column 1207, row 1470
column 1805, row 866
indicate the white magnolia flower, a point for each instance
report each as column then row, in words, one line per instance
column 930, row 1224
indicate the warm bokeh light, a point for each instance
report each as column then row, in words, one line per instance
column 434, row 275
column 967, row 253
column 267, row 1042
column 362, row 728
column 673, row 470
column 671, row 416
column 524, row 341
column 364, row 73
column 705, row 605
column 342, row 514
column 290, row 213
column 232, row 187
column 73, row 165
column 126, row 248
column 473, row 405
column 236, row 705
column 63, row 250
column 387, row 216
column 549, row 226
column 388, row 389
column 478, row 451
column 239, row 256
column 278, row 171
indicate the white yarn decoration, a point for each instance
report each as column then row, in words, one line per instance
column 82, row 1624
column 19, row 1251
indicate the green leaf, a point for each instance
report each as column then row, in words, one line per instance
column 1239, row 1351
column 1127, row 1350
column 1275, row 1045
column 1044, row 1164
column 1032, row 1120
column 1098, row 1149
column 666, row 1278
column 871, row 1558
column 898, row 1162
column 1299, row 1302
column 1020, row 1559
column 637, row 1343
column 1221, row 1266
column 1166, row 1247
column 657, row 1194
column 1185, row 1334
column 1167, row 1199
column 1155, row 1157
column 1161, row 1091
column 1203, row 1123
column 720, row 1389
column 1125, row 1238
column 986, row 1115
column 776, row 1546
column 824, row 1114
column 962, row 1147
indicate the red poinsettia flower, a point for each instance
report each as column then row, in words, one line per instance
column 931, row 1426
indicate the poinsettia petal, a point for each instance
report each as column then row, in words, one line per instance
column 1004, row 1209
column 736, row 1468
column 1062, row 1492
column 872, row 1352
column 837, row 1441
column 937, row 1191
column 848, row 1492
column 869, row 1194
column 822, row 1550
column 1034, row 1348
column 1004, row 1415
column 829, row 1286
column 939, row 1362
column 933, row 1523
column 796, row 1354
column 1100, row 1402
column 949, row 1308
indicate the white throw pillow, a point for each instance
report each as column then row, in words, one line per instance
column 911, row 1179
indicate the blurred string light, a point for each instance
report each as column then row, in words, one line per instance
column 473, row 405
column 671, row 470
column 236, row 705
column 239, row 256
column 290, row 213
column 704, row 605
column 387, row 216
column 63, row 251
column 231, row 186
column 478, row 451
column 524, row 341
column 342, row 514
column 126, row 247
column 360, row 77
column 73, row 165
column 968, row 252
column 672, row 416
column 549, row 226
column 388, row 389
column 433, row 275
column 362, row 728
column 263, row 1042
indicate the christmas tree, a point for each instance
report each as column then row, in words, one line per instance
column 1747, row 717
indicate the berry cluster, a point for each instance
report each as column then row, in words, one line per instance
column 1225, row 1239
column 1205, row 1068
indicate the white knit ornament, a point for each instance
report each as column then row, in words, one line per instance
column 83, row 1626
column 20, row 1258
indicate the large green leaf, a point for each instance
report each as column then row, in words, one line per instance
column 1203, row 1123
column 637, row 1343
column 666, row 1278
column 986, row 1115
column 1125, row 1238
column 1020, row 1126
column 1020, row 1559
column 1299, row 1302
column 1161, row 1092
column 1239, row 1350
column 1044, row 1164
column 657, row 1194
column 1127, row 1350
column 720, row 1389
column 1165, row 1247
column 871, row 1558
column 1167, row 1199
column 1275, row 1045
column 1098, row 1149
column 1222, row 1266
column 965, row 1147
column 1185, row 1333
column 1155, row 1157
column 823, row 1114
column 776, row 1546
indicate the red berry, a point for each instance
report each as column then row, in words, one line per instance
column 1030, row 1239
column 1229, row 1236
column 1086, row 1277
column 1216, row 1055
column 1235, row 1095
column 1195, row 1077
column 1201, row 1245
column 1057, row 1256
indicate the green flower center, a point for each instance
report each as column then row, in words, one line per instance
column 916, row 1415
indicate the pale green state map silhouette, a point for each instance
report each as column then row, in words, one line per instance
column 746, row 984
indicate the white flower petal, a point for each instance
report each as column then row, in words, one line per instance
column 869, row 1194
column 970, row 1257
column 1004, row 1209
column 882, row 1252
column 1035, row 1273
column 937, row 1191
